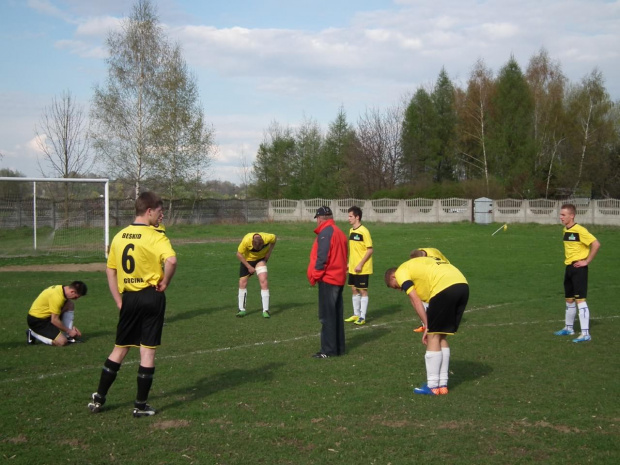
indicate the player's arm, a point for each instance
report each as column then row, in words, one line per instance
column 271, row 246
column 170, row 267
column 57, row 321
column 364, row 259
column 418, row 306
column 243, row 260
column 113, row 285
column 594, row 247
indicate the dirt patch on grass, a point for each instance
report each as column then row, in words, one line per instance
column 65, row 267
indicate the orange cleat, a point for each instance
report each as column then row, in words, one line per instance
column 419, row 329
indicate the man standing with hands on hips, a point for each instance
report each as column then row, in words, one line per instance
column 328, row 267
column 140, row 266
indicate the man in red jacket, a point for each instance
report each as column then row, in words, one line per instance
column 328, row 267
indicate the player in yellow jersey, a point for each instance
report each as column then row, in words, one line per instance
column 580, row 248
column 426, row 252
column 360, row 265
column 254, row 252
column 141, row 264
column 446, row 290
column 50, row 318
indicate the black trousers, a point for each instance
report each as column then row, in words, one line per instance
column 331, row 316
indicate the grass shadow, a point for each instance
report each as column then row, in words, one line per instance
column 220, row 382
column 362, row 336
column 465, row 371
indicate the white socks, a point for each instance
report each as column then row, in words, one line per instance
column 357, row 303
column 584, row 318
column 445, row 366
column 363, row 306
column 571, row 311
column 433, row 367
column 264, row 295
column 67, row 320
column 242, row 295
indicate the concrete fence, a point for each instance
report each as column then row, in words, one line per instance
column 543, row 211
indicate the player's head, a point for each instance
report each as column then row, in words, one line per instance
column 149, row 201
column 567, row 214
column 390, row 279
column 415, row 253
column 77, row 289
column 355, row 213
column 257, row 242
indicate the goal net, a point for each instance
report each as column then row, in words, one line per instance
column 65, row 217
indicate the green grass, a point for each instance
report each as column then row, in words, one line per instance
column 241, row 391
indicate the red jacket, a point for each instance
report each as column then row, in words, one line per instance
column 328, row 257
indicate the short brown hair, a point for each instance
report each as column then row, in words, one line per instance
column 570, row 207
column 388, row 275
column 147, row 200
column 79, row 287
column 418, row 253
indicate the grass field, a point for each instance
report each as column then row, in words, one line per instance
column 246, row 391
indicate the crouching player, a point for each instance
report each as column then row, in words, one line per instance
column 446, row 290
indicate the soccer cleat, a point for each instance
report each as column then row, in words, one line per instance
column 564, row 332
column 360, row 322
column 320, row 355
column 443, row 390
column 353, row 319
column 583, row 338
column 240, row 314
column 72, row 340
column 147, row 411
column 97, row 403
column 424, row 389
column 419, row 329
column 30, row 340
column 266, row 314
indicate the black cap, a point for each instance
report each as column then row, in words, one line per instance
column 323, row 211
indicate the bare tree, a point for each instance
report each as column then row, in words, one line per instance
column 62, row 136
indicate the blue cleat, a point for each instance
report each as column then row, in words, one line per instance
column 583, row 338
column 564, row 332
column 424, row 389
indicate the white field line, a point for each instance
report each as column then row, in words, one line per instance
column 285, row 341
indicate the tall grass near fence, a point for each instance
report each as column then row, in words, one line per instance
column 240, row 391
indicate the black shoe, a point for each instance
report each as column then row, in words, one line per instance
column 30, row 340
column 320, row 355
column 96, row 403
column 147, row 411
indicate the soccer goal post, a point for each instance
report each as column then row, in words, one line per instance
column 62, row 216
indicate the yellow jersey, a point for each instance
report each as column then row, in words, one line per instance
column 359, row 242
column 247, row 249
column 577, row 240
column 138, row 253
column 435, row 253
column 49, row 302
column 427, row 276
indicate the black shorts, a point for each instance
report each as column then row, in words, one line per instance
column 575, row 282
column 141, row 318
column 446, row 309
column 243, row 271
column 43, row 327
column 359, row 281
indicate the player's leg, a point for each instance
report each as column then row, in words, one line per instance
column 362, row 288
column 356, row 299
column 44, row 331
column 244, row 275
column 571, row 306
column 261, row 273
column 581, row 292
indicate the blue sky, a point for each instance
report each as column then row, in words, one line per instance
column 286, row 61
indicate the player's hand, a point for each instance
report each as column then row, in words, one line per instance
column 358, row 269
column 251, row 269
column 425, row 337
column 161, row 286
column 77, row 332
column 580, row 264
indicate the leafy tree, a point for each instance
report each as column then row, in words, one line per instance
column 304, row 162
column 183, row 141
column 444, row 101
column 512, row 146
column 419, row 140
column 126, row 108
column 272, row 166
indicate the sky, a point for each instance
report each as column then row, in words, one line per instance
column 289, row 61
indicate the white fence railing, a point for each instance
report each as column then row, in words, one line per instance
column 543, row 211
